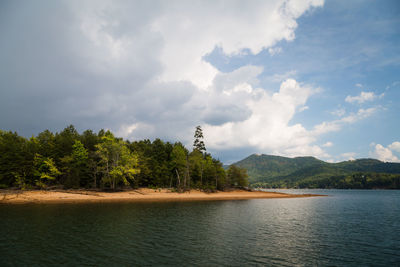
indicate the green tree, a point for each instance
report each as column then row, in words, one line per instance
column 237, row 176
column 89, row 139
column 64, row 141
column 198, row 140
column 79, row 154
column 16, row 160
column 46, row 145
column 75, row 166
column 143, row 150
column 220, row 179
column 196, row 164
column 118, row 163
column 179, row 165
column 45, row 170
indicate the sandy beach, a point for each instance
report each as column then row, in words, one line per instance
column 142, row 194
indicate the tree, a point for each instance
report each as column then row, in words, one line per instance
column 118, row 163
column 45, row 170
column 237, row 176
column 144, row 152
column 220, row 178
column 93, row 165
column 46, row 145
column 73, row 160
column 179, row 164
column 65, row 140
column 160, row 161
column 16, row 160
column 196, row 163
column 75, row 166
column 198, row 140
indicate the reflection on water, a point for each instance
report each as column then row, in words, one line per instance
column 349, row 227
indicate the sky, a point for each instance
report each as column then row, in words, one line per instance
column 290, row 78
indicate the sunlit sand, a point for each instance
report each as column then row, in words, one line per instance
column 143, row 194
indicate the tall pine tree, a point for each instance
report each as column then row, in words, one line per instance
column 198, row 140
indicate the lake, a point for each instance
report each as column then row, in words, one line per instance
column 348, row 228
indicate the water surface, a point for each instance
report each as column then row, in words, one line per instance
column 350, row 227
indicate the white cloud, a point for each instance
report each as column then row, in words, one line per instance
column 303, row 108
column 336, row 125
column 137, row 67
column 385, row 153
column 363, row 97
column 348, row 155
column 191, row 29
column 268, row 125
column 395, row 146
column 282, row 77
column 339, row 112
column 359, row 85
column 328, row 144
column 274, row 50
column 140, row 71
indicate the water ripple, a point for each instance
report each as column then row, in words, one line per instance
column 358, row 228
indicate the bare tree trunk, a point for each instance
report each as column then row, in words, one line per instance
column 201, row 174
column 187, row 170
column 179, row 179
column 95, row 176
column 184, row 181
column 108, row 172
column 115, row 165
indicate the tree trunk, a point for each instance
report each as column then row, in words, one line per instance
column 179, row 180
column 201, row 174
column 184, row 181
column 95, row 176
column 187, row 170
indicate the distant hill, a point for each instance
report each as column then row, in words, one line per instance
column 283, row 172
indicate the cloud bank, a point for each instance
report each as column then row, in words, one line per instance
column 363, row 97
column 138, row 68
column 386, row 154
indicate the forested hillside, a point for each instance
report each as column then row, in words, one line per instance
column 100, row 160
column 308, row 172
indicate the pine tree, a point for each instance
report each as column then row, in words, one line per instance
column 198, row 140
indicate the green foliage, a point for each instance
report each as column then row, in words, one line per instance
column 74, row 160
column 16, row 159
column 117, row 162
column 237, row 176
column 262, row 168
column 79, row 154
column 307, row 172
column 45, row 170
column 20, row 182
column 179, row 164
column 46, row 144
column 75, row 166
column 198, row 143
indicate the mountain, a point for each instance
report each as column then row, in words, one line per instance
column 277, row 171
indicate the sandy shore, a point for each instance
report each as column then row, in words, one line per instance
column 143, row 194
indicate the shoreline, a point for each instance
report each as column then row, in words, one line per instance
column 134, row 195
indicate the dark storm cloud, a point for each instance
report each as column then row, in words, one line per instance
column 137, row 68
column 53, row 74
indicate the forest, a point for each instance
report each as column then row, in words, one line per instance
column 358, row 180
column 269, row 171
column 103, row 161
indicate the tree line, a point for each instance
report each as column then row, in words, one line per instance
column 100, row 160
column 356, row 180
